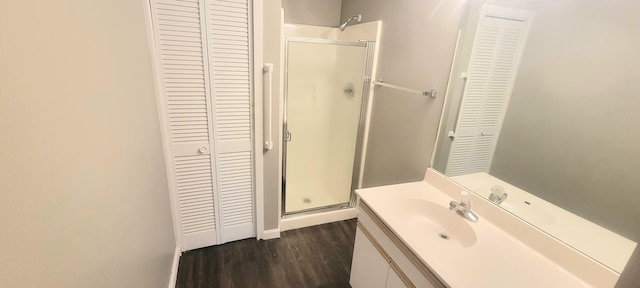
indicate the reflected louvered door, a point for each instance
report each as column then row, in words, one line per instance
column 211, row 177
column 497, row 48
column 229, row 44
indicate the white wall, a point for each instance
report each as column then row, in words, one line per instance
column 312, row 12
column 416, row 49
column 84, row 193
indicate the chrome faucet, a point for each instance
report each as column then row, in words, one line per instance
column 463, row 208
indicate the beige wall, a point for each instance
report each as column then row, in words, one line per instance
column 312, row 12
column 271, row 45
column 85, row 201
column 418, row 39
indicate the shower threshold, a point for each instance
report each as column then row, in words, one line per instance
column 318, row 216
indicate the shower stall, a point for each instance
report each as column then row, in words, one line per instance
column 326, row 91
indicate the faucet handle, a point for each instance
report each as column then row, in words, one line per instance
column 464, row 199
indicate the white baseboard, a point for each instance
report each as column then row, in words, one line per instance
column 271, row 234
column 317, row 219
column 174, row 267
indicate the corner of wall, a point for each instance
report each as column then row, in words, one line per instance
column 271, row 234
column 173, row 277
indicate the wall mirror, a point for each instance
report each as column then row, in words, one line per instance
column 543, row 116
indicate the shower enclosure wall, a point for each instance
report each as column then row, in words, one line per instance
column 327, row 86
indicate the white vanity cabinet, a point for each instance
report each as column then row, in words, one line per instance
column 369, row 267
column 372, row 267
column 381, row 260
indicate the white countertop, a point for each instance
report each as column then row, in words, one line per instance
column 599, row 243
column 497, row 259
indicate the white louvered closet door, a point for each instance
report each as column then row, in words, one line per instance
column 211, row 162
column 229, row 35
column 496, row 53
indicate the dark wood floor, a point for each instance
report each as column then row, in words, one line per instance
column 318, row 256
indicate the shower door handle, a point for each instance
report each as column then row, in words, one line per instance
column 287, row 136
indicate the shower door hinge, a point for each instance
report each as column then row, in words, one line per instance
column 287, row 136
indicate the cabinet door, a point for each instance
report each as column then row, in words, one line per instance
column 394, row 281
column 369, row 268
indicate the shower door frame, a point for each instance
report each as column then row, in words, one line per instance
column 366, row 87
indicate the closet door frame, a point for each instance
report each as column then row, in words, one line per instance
column 256, row 40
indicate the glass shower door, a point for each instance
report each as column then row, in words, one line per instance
column 323, row 106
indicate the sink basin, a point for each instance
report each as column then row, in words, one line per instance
column 436, row 224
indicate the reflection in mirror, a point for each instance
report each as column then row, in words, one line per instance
column 543, row 102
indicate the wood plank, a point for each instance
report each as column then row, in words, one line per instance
column 318, row 256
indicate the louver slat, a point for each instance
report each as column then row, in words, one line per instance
column 195, row 181
column 236, row 183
